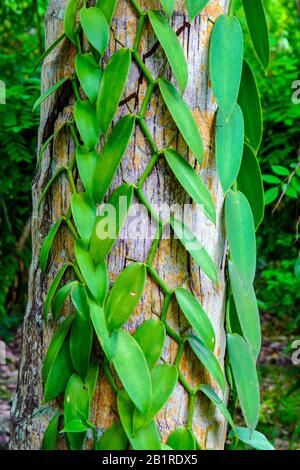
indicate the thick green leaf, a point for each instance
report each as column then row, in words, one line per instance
column 114, row 438
column 53, row 289
column 258, row 440
column 182, row 439
column 86, row 164
column 125, row 295
column 247, row 309
column 61, row 297
column 183, row 118
column 196, row 316
column 109, row 225
column 89, row 74
column 195, row 7
column 209, row 392
column 108, row 7
column 171, row 46
column 208, row 360
column 271, row 195
column 95, row 27
column 84, row 214
column 258, row 29
column 109, row 97
column 245, row 376
column 50, row 435
column 168, row 6
column 95, row 276
column 86, row 121
column 75, row 426
column 92, row 378
column 146, row 438
column 151, row 336
column 70, row 19
column 229, row 146
column 111, row 156
column 132, row 369
column 47, row 244
column 226, row 62
column 106, row 341
column 249, row 102
column 241, row 235
column 196, row 250
column 49, row 92
column 251, row 184
column 80, row 301
column 59, row 373
column 81, row 340
column 191, row 182
column 76, row 406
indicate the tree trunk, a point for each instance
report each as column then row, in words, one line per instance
column 29, row 414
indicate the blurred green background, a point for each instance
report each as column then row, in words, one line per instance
column 278, row 278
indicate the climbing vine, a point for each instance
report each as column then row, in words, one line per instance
column 146, row 384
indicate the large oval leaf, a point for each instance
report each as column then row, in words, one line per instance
column 244, row 371
column 111, row 156
column 171, row 46
column 108, row 7
column 258, row 29
column 196, row 316
column 226, row 62
column 80, row 301
column 151, row 336
column 81, row 340
column 182, row 439
column 168, row 6
column 76, row 406
column 132, row 369
column 47, row 244
column 191, row 182
column 114, row 438
column 125, row 295
column 95, row 27
column 183, row 118
column 70, row 19
column 84, row 214
column 229, row 146
column 86, row 164
column 59, row 373
column 89, row 75
column 86, row 121
column 195, row 7
column 116, row 73
column 241, row 235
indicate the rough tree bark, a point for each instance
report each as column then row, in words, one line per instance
column 29, row 414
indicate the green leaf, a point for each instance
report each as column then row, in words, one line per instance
column 41, row 153
column 208, row 360
column 183, row 118
column 49, row 50
column 195, row 249
column 86, row 164
column 95, row 276
column 196, row 316
column 108, row 7
column 84, row 214
column 241, row 235
column 247, row 310
column 89, row 75
column 258, row 29
column 171, row 46
column 61, row 297
column 244, row 371
column 280, row 170
column 226, row 62
column 50, row 435
column 229, row 146
column 258, row 440
column 92, row 378
column 53, row 289
column 271, row 195
column 250, row 104
column 195, row 6
column 86, row 121
column 81, row 340
column 95, row 27
column 59, row 374
column 109, row 225
column 151, row 336
column 75, row 426
column 49, row 92
column 111, row 156
column 168, row 6
column 47, row 244
column 50, row 183
column 251, row 185
column 114, row 438
column 106, row 341
column 182, row 439
column 271, row 179
column 76, row 406
column 109, row 97
column 132, row 369
column 125, row 295
column 80, row 301
column 191, row 182
column 209, row 392
column 146, row 438
column 70, row 19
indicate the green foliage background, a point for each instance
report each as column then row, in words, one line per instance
column 278, row 279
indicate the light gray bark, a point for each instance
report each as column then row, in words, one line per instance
column 29, row 415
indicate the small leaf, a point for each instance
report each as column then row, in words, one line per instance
column 49, row 92
column 112, row 155
column 151, row 336
column 47, row 244
column 182, row 439
column 81, row 334
column 53, row 289
column 226, row 62
column 86, row 121
column 218, row 402
column 271, row 195
column 89, row 75
column 195, row 7
column 258, row 440
column 84, row 214
column 245, row 376
column 191, row 182
column 258, row 29
column 114, row 438
column 95, row 27
column 108, row 7
column 229, row 146
column 76, row 406
column 125, row 295
column 61, row 297
column 280, row 170
column 109, row 97
column 49, row 184
column 132, row 369
column 171, row 46
column 271, row 179
column 168, row 6
column 59, row 374
column 49, row 50
column 70, row 19
column 106, row 341
column 86, row 163
column 208, row 360
column 196, row 316
column 80, row 301
column 75, row 426
column 195, row 249
column 183, row 118
column 50, row 435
